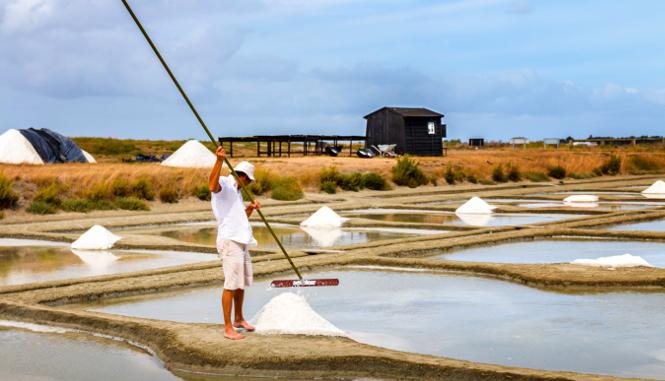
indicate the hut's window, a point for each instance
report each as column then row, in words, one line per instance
column 431, row 127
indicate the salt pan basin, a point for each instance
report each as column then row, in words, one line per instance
column 39, row 356
column 441, row 217
column 28, row 261
column 554, row 251
column 461, row 317
column 295, row 237
column 653, row 225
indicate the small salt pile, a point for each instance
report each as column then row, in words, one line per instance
column 626, row 260
column 88, row 157
column 475, row 205
column 96, row 259
column 16, row 149
column 324, row 218
column 581, row 201
column 290, row 314
column 96, row 238
column 192, row 154
column 656, row 188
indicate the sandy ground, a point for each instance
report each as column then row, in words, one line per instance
column 200, row 347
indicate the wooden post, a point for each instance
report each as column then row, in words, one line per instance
column 258, row 148
column 280, row 148
column 231, row 146
column 288, row 148
column 351, row 147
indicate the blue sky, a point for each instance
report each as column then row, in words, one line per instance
column 495, row 68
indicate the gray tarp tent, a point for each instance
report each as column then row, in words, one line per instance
column 53, row 147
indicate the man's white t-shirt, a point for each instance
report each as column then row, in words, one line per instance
column 229, row 211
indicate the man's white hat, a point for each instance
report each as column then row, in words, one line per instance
column 246, row 168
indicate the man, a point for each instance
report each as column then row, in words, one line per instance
column 234, row 236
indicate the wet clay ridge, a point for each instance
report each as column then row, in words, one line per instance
column 201, row 348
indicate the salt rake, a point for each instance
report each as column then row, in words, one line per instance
column 300, row 282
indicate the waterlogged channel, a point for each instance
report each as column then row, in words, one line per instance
column 555, row 251
column 463, row 317
column 654, row 226
column 26, row 261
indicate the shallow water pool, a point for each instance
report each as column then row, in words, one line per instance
column 653, row 225
column 27, row 261
column 299, row 238
column 466, row 318
column 555, row 251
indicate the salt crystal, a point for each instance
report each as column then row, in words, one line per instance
column 96, row 238
column 16, row 149
column 656, row 188
column 290, row 314
column 192, row 154
column 475, row 205
column 626, row 260
column 324, row 218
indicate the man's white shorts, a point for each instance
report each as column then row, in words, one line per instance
column 237, row 265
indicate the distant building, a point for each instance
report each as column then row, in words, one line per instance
column 415, row 131
column 476, row 142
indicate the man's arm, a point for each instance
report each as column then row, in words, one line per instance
column 213, row 181
column 250, row 207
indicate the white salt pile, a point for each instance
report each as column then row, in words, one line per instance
column 475, row 205
column 97, row 259
column 585, row 198
column 192, row 154
column 626, row 260
column 656, row 188
column 88, row 157
column 324, row 237
column 290, row 314
column 16, row 149
column 96, row 238
column 324, row 218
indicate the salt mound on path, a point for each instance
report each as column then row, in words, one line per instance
column 192, row 154
column 656, row 188
column 88, row 157
column 626, row 260
column 585, row 198
column 96, row 238
column 289, row 314
column 324, row 218
column 16, row 149
column 475, row 205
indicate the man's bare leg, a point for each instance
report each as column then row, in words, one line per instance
column 240, row 322
column 227, row 301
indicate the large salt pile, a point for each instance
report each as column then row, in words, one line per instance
column 290, row 314
column 89, row 157
column 656, row 188
column 475, row 205
column 324, row 218
column 96, row 238
column 16, row 149
column 626, row 260
column 192, row 154
column 96, row 259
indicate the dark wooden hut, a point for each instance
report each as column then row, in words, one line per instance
column 415, row 131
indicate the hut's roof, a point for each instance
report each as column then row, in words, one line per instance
column 409, row 112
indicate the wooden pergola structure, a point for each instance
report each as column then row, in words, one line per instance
column 278, row 145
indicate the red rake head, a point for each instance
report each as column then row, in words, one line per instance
column 304, row 283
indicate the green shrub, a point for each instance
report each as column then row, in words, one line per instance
column 611, row 167
column 498, row 175
column 169, row 195
column 131, row 203
column 142, row 189
column 644, row 164
column 2, row 214
column 453, row 175
column 581, row 176
column 120, row 188
column 101, row 205
column 262, row 182
column 557, row 172
column 536, row 177
column 329, row 187
column 514, row 174
column 41, row 207
column 202, row 192
column 434, row 181
column 286, row 189
column 374, row 181
column 76, row 205
column 329, row 174
column 51, row 194
column 406, row 172
column 472, row 178
column 8, row 198
column 486, row 182
column 99, row 191
column 351, row 181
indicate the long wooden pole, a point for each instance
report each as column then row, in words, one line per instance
column 212, row 139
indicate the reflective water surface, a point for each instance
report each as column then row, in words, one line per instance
column 467, row 318
column 40, row 261
column 654, row 225
column 554, row 251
